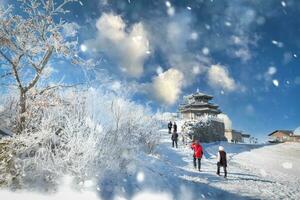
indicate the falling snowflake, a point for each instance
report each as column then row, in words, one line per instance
column 275, row 82
column 272, row 70
column 283, row 4
column 277, row 43
column 171, row 11
column 83, row 48
column 227, row 24
column 159, row 70
column 140, row 177
column 205, row 51
column 189, row 8
column 168, row 4
column 194, row 36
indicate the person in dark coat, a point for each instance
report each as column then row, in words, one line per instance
column 170, row 125
column 174, row 139
column 222, row 161
column 175, row 127
column 198, row 153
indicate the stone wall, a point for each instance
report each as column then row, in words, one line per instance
column 214, row 131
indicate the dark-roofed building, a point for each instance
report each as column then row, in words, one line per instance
column 283, row 136
column 197, row 105
column 194, row 109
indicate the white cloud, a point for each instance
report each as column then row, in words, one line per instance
column 128, row 48
column 173, row 43
column 167, row 86
column 241, row 50
column 218, row 77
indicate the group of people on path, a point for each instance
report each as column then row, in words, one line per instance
column 198, row 151
column 174, row 136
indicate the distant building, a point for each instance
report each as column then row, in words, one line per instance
column 283, row 136
column 196, row 108
column 197, row 105
column 234, row 136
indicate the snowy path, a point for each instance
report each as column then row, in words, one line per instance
column 171, row 171
column 254, row 172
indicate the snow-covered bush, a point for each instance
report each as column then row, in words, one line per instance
column 77, row 132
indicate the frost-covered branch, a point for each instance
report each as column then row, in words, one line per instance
column 29, row 40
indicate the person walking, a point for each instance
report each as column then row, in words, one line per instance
column 174, row 139
column 222, row 161
column 198, row 153
column 175, row 127
column 170, row 125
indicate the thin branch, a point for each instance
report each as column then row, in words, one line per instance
column 57, row 86
column 6, row 74
column 6, row 58
column 40, row 68
column 14, row 67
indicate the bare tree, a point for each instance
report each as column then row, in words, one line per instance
column 28, row 41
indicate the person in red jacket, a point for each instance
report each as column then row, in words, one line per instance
column 198, row 152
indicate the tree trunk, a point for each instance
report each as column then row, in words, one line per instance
column 22, row 112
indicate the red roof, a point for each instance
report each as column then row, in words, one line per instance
column 286, row 132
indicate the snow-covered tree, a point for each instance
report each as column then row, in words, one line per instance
column 30, row 36
column 78, row 132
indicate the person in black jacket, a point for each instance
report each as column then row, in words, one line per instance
column 174, row 139
column 170, row 125
column 175, row 127
column 222, row 161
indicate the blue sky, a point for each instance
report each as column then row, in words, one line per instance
column 246, row 53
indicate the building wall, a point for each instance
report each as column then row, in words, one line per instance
column 295, row 139
column 211, row 133
column 228, row 135
column 233, row 136
column 279, row 136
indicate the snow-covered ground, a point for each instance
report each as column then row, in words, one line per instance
column 254, row 172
